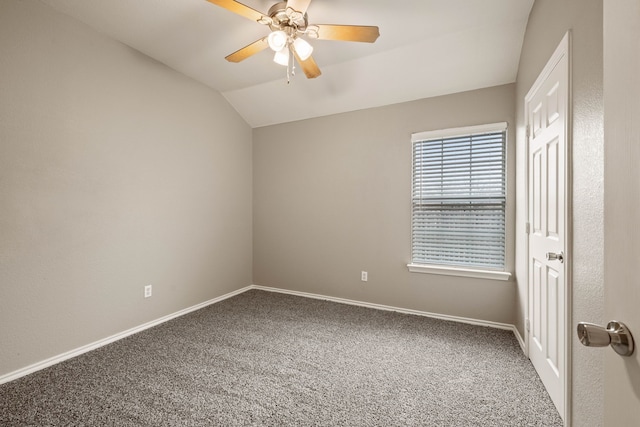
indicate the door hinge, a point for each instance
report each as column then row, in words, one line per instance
column 527, row 325
column 528, row 131
column 527, row 227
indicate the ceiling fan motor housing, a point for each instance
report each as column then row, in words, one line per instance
column 286, row 19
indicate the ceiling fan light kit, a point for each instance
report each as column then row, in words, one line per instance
column 281, row 42
column 288, row 22
column 277, row 40
column 282, row 57
column 302, row 48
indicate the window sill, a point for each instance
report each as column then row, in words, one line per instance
column 459, row 271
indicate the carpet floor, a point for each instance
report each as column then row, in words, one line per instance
column 269, row 359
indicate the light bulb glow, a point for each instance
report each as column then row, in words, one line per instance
column 303, row 49
column 277, row 40
column 282, row 57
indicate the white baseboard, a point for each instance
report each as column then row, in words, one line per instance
column 97, row 344
column 478, row 322
column 523, row 346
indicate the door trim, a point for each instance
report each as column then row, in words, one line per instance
column 563, row 49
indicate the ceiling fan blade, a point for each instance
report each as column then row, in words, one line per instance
column 350, row 33
column 247, row 51
column 309, row 67
column 299, row 5
column 239, row 8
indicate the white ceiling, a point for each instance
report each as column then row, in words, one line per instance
column 426, row 48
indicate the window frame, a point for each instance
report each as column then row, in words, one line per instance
column 460, row 270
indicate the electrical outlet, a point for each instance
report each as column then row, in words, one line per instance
column 364, row 276
column 147, row 291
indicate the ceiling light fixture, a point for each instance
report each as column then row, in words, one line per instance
column 278, row 40
column 282, row 57
column 285, row 42
column 302, row 48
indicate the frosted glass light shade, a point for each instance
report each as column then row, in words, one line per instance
column 303, row 49
column 282, row 57
column 277, row 40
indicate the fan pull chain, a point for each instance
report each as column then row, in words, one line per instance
column 291, row 66
column 293, row 63
column 289, row 72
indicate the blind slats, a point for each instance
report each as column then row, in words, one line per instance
column 459, row 201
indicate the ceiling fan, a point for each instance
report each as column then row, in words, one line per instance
column 288, row 22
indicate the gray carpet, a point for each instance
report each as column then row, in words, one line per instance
column 268, row 359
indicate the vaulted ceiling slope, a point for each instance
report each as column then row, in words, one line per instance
column 426, row 48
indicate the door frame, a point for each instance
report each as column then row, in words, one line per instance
column 563, row 49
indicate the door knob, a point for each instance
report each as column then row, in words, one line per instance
column 552, row 256
column 616, row 334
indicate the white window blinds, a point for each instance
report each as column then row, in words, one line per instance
column 459, row 197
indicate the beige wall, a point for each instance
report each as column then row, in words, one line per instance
column 332, row 198
column 548, row 22
column 622, row 203
column 115, row 172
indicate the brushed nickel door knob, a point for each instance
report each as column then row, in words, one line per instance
column 616, row 334
column 552, row 256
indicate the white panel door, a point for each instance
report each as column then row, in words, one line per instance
column 622, row 204
column 546, row 107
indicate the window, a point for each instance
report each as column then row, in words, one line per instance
column 459, row 199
